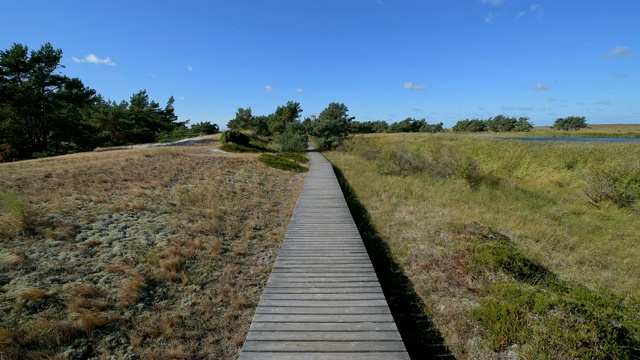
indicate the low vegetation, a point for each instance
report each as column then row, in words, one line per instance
column 157, row 253
column 502, row 242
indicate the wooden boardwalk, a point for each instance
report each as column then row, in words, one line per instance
column 323, row 299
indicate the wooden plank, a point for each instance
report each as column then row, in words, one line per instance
column 331, row 303
column 323, row 310
column 348, row 296
column 399, row 355
column 304, row 318
column 324, row 346
column 322, row 326
column 324, row 336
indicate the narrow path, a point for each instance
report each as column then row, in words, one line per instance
column 323, row 299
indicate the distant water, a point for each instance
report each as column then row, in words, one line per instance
column 568, row 139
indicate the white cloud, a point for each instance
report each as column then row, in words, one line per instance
column 380, row 2
column 189, row 68
column 489, row 17
column 91, row 58
column 300, row 91
column 534, row 7
column 269, row 89
column 492, row 2
column 620, row 51
column 180, row 97
column 520, row 14
column 411, row 86
column 547, row 108
column 540, row 87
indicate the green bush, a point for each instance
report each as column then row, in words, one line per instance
column 292, row 142
column 236, row 137
column 531, row 310
column 619, row 184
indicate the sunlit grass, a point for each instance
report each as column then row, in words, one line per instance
column 143, row 253
column 532, row 193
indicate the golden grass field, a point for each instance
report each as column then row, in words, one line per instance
column 157, row 253
column 509, row 256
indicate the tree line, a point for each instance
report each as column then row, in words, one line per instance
column 329, row 129
column 44, row 113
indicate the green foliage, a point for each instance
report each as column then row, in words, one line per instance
column 540, row 314
column 570, row 123
column 368, row 127
column 414, row 125
column 40, row 110
column 236, row 137
column 331, row 127
column 283, row 117
column 474, row 125
column 204, row 128
column 14, row 217
column 282, row 162
column 44, row 113
column 618, row 183
column 294, row 139
column 499, row 123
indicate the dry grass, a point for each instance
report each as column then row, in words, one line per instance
column 439, row 230
column 147, row 253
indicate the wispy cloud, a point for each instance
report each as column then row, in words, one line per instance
column 540, row 87
column 520, row 14
column 380, row 2
column 189, row 68
column 489, row 17
column 620, row 52
column 180, row 97
column 91, row 58
column 547, row 108
column 620, row 75
column 492, row 2
column 534, row 7
column 411, row 86
column 603, row 102
column 300, row 91
column 269, row 89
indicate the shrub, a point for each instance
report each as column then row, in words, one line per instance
column 292, row 142
column 619, row 184
column 236, row 137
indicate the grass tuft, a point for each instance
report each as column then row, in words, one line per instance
column 14, row 216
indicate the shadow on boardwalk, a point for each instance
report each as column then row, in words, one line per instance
column 422, row 339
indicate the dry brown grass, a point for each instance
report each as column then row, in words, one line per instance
column 150, row 253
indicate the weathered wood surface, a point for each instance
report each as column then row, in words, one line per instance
column 323, row 299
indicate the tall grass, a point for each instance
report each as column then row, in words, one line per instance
column 14, row 216
column 509, row 262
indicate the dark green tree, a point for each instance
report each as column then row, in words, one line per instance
column 205, row 128
column 40, row 109
column 242, row 121
column 331, row 127
column 284, row 115
column 570, row 123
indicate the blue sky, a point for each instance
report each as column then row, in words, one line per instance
column 443, row 60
